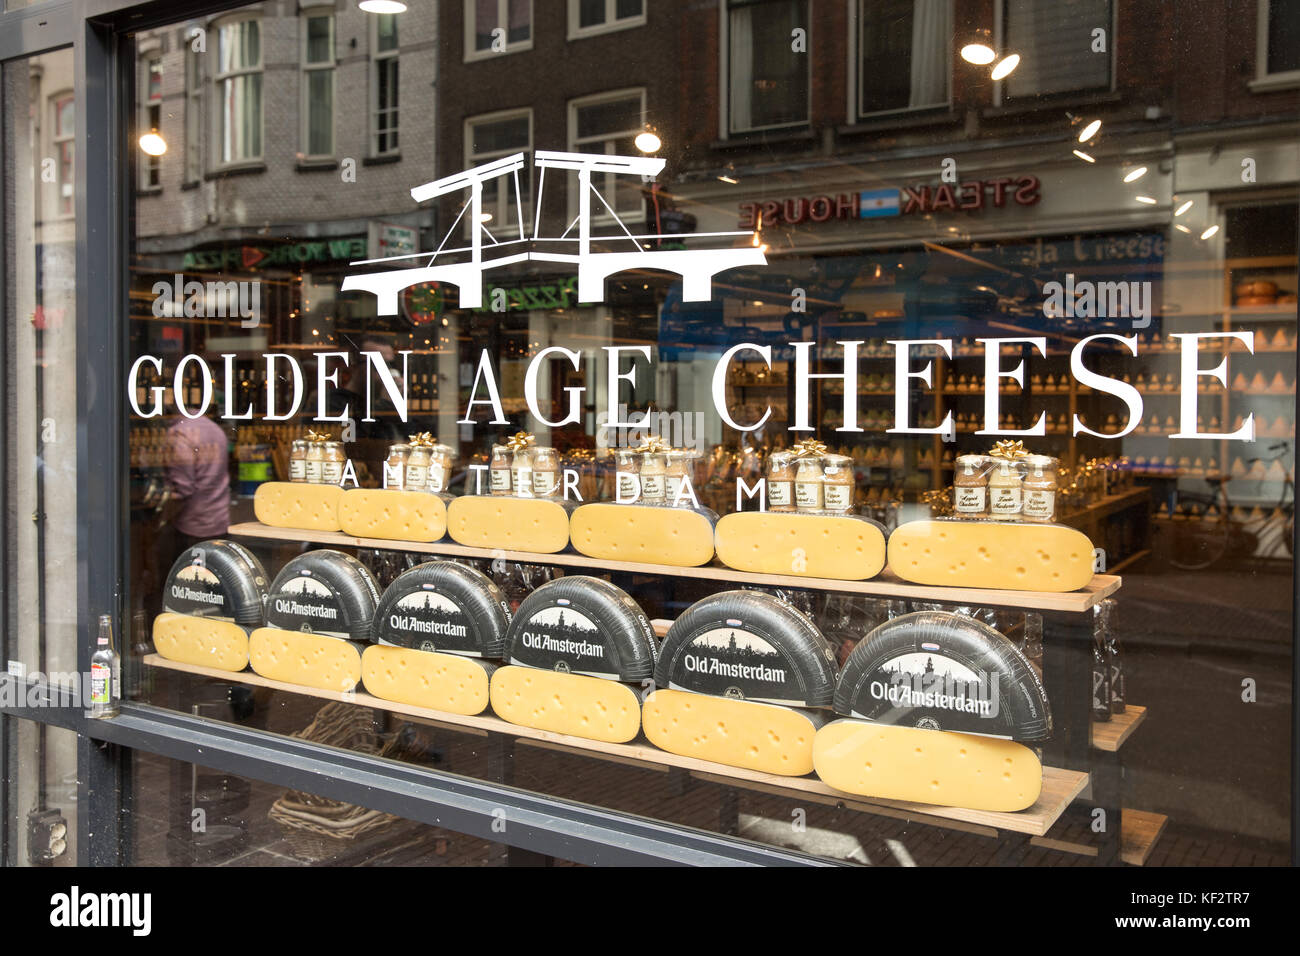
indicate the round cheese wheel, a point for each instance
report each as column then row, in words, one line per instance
column 324, row 592
column 582, row 625
column 218, row 579
column 748, row 645
column 444, row 606
column 943, row 671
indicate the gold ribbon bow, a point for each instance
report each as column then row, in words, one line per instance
column 317, row 438
column 809, row 448
column 422, row 440
column 519, row 441
column 650, row 445
column 1010, row 450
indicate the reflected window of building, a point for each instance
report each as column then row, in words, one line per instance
column 903, row 55
column 239, row 91
column 608, row 123
column 318, row 85
column 492, row 137
column 151, row 119
column 193, row 115
column 383, row 85
column 65, row 130
column 768, row 79
column 589, row 17
column 1279, row 41
column 497, row 26
column 1055, row 43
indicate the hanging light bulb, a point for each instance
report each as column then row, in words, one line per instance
column 1005, row 66
column 382, row 6
column 981, row 54
column 648, row 140
column 153, row 144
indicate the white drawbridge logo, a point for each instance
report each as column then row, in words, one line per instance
column 697, row 267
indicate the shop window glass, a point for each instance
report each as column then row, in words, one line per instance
column 239, row 91
column 318, row 85
column 497, row 26
column 608, row 124
column 587, row 17
column 384, row 84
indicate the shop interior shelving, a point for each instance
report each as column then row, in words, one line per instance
column 1068, row 759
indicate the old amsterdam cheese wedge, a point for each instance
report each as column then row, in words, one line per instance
column 681, row 537
column 204, row 641
column 846, row 547
column 392, row 514
column 297, row 504
column 218, row 579
column 446, row 607
column 513, row 524
column 738, row 733
column 564, row 703
column 927, row 766
column 943, row 671
column 1017, row 556
column 446, row 682
column 297, row 657
column 324, row 592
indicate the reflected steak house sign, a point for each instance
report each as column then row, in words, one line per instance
column 974, row 195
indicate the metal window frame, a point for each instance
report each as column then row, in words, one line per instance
column 96, row 31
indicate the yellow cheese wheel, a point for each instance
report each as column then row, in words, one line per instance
column 927, row 766
column 312, row 660
column 447, row 682
column 201, row 640
column 513, row 524
column 846, row 547
column 297, row 504
column 738, row 733
column 1016, row 556
column 392, row 514
column 573, row 704
column 679, row 537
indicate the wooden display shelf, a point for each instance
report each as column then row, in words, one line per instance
column 1110, row 734
column 1139, row 831
column 883, row 585
column 1060, row 787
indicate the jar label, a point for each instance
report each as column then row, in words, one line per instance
column 416, row 476
column 969, row 499
column 393, row 475
column 501, row 479
column 297, row 469
column 331, row 472
column 436, row 479
column 838, row 497
column 808, row 495
column 779, row 494
column 674, row 488
column 1006, row 501
column 545, row 482
column 652, row 487
column 1040, row 504
column 312, row 471
column 523, row 481
column 628, row 485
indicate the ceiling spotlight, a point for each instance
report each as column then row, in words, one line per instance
column 1135, row 174
column 1005, row 66
column 1209, row 232
column 648, row 141
column 485, row 217
column 1083, row 156
column 1181, row 228
column 728, row 179
column 1183, row 208
column 980, row 54
column 382, row 6
column 1145, row 199
column 1089, row 131
column 153, row 144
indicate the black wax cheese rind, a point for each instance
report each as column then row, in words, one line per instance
column 445, row 607
column 324, row 592
column 217, row 579
column 748, row 645
column 582, row 625
column 944, row 671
